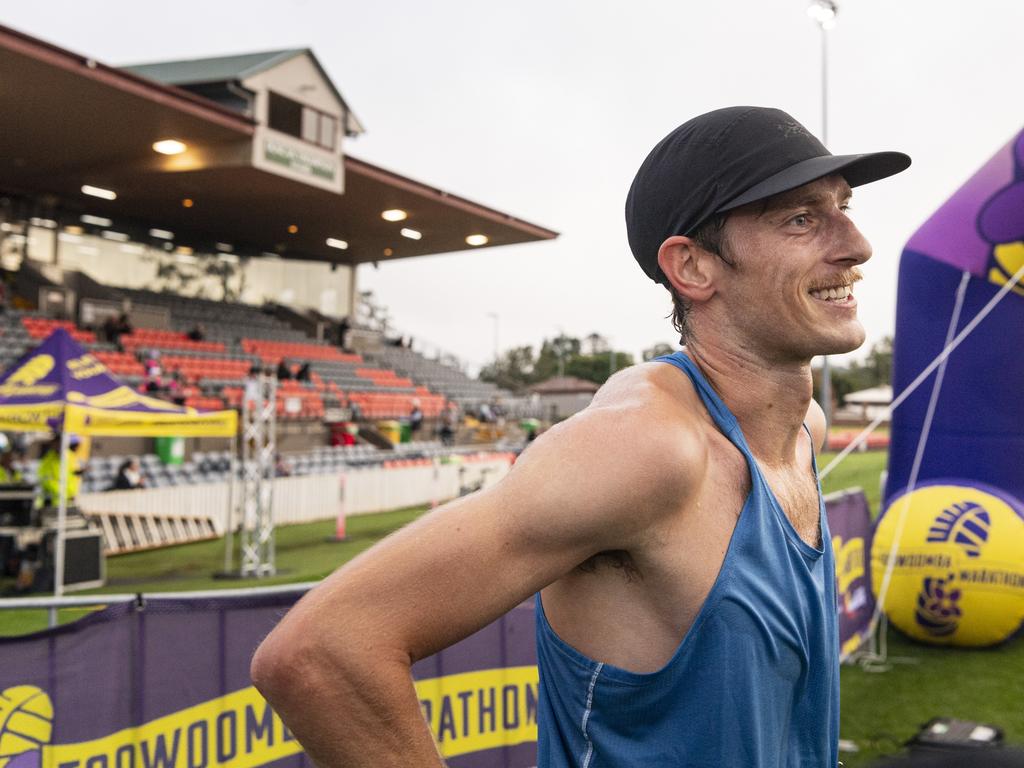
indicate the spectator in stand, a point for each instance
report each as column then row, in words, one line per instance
column 176, row 388
column 283, row 371
column 355, row 412
column 449, row 423
column 115, row 328
column 129, row 476
column 304, row 373
column 486, row 413
column 154, row 372
column 415, row 417
column 282, row 467
column 251, row 387
column 344, row 325
column 198, row 333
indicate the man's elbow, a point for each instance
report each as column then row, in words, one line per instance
column 284, row 666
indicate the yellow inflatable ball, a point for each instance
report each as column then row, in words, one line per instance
column 958, row 570
column 26, row 721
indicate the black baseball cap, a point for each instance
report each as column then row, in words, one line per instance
column 723, row 159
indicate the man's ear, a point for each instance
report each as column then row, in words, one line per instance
column 688, row 267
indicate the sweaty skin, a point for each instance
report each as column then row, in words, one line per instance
column 621, row 515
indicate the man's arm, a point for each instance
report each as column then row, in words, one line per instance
column 337, row 666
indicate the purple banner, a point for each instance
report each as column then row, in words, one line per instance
column 166, row 685
column 849, row 521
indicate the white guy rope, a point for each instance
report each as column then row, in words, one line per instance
column 945, row 353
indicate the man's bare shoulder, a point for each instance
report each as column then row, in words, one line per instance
column 646, row 424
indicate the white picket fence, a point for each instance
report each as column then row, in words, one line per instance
column 157, row 517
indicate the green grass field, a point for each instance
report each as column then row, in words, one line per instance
column 880, row 710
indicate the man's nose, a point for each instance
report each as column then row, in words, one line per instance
column 851, row 247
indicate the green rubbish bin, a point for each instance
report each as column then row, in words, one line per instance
column 406, row 432
column 171, row 450
column 390, row 429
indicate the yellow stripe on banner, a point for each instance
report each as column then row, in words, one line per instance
column 235, row 731
column 466, row 713
column 29, row 418
column 98, row 421
column 473, row 711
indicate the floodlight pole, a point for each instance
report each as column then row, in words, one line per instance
column 824, row 12
column 495, row 317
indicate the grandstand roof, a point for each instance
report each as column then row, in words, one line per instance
column 69, row 121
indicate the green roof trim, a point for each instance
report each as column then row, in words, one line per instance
column 219, row 69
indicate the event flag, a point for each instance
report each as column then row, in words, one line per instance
column 61, row 380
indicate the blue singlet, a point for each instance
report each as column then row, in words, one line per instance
column 753, row 684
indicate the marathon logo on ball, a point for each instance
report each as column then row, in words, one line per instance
column 467, row 713
column 958, row 569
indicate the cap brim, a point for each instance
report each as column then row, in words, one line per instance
column 856, row 169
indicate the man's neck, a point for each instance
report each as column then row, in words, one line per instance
column 769, row 399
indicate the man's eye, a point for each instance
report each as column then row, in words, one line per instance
column 800, row 220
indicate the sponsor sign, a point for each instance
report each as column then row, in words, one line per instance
column 849, row 521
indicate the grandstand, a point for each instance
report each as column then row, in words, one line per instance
column 288, row 216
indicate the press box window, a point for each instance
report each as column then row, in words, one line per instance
column 302, row 122
column 285, row 115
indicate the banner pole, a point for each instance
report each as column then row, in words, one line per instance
column 62, row 514
column 229, row 515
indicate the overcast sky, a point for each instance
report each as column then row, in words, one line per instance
column 545, row 110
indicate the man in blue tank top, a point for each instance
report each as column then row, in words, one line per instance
column 686, row 613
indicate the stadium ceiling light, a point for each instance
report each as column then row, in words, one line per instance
column 106, row 194
column 394, row 214
column 99, row 221
column 169, row 147
column 183, row 250
column 73, row 229
column 477, row 240
column 293, row 228
column 412, row 234
column 334, row 242
column 132, row 248
column 45, row 223
column 163, row 234
column 225, row 247
column 188, row 202
column 120, row 237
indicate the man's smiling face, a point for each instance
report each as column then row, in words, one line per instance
column 796, row 257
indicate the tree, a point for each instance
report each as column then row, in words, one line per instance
column 562, row 355
column 514, row 370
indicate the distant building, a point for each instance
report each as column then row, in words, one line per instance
column 562, row 396
column 866, row 404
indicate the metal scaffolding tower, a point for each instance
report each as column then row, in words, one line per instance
column 254, row 508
